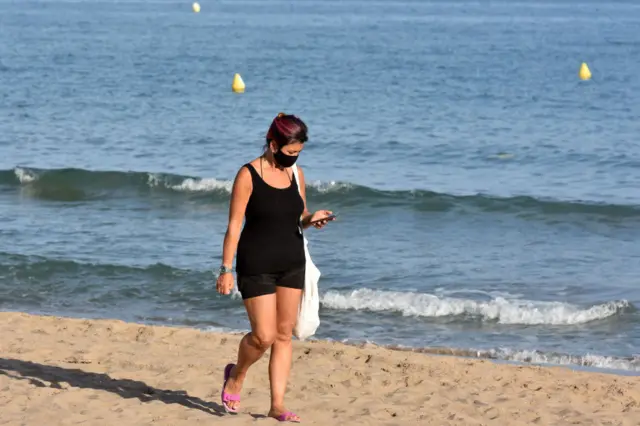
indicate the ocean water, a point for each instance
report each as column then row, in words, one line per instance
column 488, row 200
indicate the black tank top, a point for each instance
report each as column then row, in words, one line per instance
column 271, row 240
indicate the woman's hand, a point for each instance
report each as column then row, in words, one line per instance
column 224, row 285
column 318, row 219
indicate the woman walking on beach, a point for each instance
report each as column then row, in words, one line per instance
column 270, row 262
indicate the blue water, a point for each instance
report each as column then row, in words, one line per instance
column 488, row 199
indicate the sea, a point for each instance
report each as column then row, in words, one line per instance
column 488, row 199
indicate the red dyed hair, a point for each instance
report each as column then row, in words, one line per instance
column 286, row 129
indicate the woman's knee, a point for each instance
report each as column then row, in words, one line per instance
column 285, row 331
column 263, row 339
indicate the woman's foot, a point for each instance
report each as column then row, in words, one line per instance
column 283, row 415
column 232, row 389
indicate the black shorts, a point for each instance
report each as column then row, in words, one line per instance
column 261, row 284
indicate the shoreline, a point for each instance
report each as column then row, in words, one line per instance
column 112, row 372
column 466, row 353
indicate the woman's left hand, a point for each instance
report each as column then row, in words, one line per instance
column 318, row 219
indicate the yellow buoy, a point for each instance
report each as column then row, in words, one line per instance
column 237, row 85
column 585, row 73
column 196, row 7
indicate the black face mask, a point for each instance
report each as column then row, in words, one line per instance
column 284, row 160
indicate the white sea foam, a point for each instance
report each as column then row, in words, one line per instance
column 24, row 175
column 203, row 185
column 330, row 186
column 235, row 293
column 154, row 180
column 212, row 184
column 588, row 360
column 228, row 330
column 592, row 361
column 190, row 184
column 499, row 309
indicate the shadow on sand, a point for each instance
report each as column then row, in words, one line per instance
column 49, row 376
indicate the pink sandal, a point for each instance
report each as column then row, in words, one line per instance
column 284, row 417
column 229, row 397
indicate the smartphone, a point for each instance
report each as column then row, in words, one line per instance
column 330, row 217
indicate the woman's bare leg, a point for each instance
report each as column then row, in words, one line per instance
column 288, row 300
column 262, row 316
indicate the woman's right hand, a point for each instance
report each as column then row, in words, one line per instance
column 224, row 285
column 318, row 219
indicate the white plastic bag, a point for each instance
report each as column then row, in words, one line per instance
column 309, row 310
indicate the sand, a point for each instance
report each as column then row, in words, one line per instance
column 61, row 371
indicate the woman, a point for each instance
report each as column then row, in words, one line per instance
column 270, row 262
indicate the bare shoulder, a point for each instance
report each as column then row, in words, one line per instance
column 243, row 178
column 300, row 172
column 243, row 173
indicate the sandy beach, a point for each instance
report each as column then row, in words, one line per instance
column 61, row 371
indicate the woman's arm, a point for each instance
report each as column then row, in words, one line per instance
column 306, row 215
column 242, row 187
column 317, row 219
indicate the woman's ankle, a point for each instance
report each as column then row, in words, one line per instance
column 277, row 408
column 237, row 375
column 278, row 412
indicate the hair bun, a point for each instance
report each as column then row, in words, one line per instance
column 281, row 114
